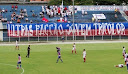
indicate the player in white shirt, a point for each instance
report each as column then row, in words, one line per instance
column 119, row 65
column 126, row 60
column 74, row 48
column 17, row 45
column 84, row 55
column 123, row 52
column 125, row 57
column 19, row 61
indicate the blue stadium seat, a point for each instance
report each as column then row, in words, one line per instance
column 79, row 18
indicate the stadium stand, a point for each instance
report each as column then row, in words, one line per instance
column 38, row 13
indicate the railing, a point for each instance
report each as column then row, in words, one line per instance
column 47, row 38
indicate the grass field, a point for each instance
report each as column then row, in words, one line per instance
column 101, row 59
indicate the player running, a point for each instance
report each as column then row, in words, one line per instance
column 19, row 61
column 119, row 65
column 84, row 55
column 17, row 45
column 124, row 52
column 28, row 51
column 126, row 59
column 74, row 48
column 59, row 55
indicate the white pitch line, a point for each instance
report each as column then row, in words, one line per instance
column 23, row 70
column 12, row 66
column 77, row 42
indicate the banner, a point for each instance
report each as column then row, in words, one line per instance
column 67, row 29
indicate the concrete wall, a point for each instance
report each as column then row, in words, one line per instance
column 1, row 35
column 1, row 32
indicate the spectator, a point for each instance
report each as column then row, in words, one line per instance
column 93, row 19
column 65, row 8
column 116, row 10
column 33, row 14
column 10, row 22
column 12, row 7
column 86, row 12
column 96, row 19
column 75, row 10
column 83, row 11
column 43, row 10
column 99, row 20
column 18, row 20
column 22, row 16
column 116, row 16
column 41, row 13
column 4, row 19
column 65, row 19
column 42, row 16
column 32, row 11
column 60, row 20
column 25, row 15
column 19, row 16
column 16, row 7
column 3, row 10
column 25, row 11
column 31, row 21
column 12, row 19
column 21, row 11
column 6, row 10
column 26, row 19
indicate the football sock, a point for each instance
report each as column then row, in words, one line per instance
column 84, row 59
column 57, row 60
column 61, row 60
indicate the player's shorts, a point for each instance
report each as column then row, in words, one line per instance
column 74, row 49
column 59, row 56
column 18, row 62
column 84, row 56
column 17, row 45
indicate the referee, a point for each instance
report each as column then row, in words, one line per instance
column 28, row 51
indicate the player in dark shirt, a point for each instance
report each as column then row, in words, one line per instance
column 28, row 51
column 59, row 55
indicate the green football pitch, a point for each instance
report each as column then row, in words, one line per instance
column 101, row 58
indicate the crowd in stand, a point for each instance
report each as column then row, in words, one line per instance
column 2, row 19
column 51, row 11
column 17, row 17
column 54, row 11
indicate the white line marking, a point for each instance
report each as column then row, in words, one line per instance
column 59, row 42
column 13, row 66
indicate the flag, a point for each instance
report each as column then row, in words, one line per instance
column 44, row 19
column 62, row 7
